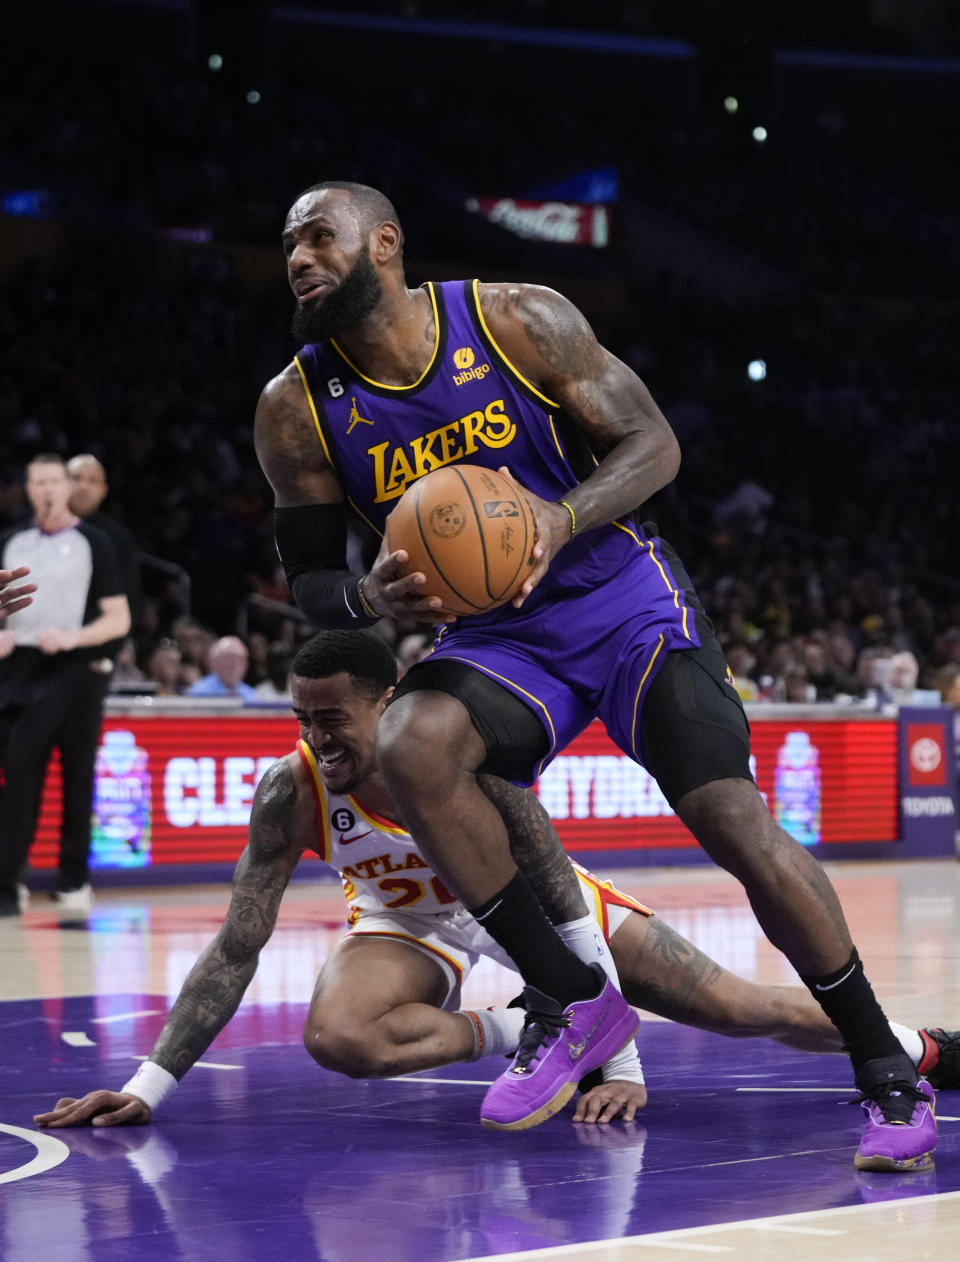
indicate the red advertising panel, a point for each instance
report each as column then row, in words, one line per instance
column 171, row 789
column 177, row 789
column 825, row 781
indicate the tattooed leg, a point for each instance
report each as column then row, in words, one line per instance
column 663, row 973
column 536, row 850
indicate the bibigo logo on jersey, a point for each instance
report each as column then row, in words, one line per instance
column 463, row 358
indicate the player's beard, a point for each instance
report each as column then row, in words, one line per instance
column 352, row 301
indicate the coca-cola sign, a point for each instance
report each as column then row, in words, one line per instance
column 565, row 223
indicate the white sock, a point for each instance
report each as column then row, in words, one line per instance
column 911, row 1040
column 625, row 1066
column 585, row 939
column 496, row 1031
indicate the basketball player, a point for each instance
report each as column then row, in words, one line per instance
column 385, row 1001
column 607, row 624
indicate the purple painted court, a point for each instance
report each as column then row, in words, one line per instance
column 261, row 1155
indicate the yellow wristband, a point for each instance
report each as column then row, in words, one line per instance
column 368, row 608
column 573, row 517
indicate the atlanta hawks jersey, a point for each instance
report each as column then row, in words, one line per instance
column 378, row 861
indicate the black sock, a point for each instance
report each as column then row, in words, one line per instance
column 515, row 920
column 848, row 1000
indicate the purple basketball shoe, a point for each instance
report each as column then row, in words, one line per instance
column 901, row 1131
column 557, row 1047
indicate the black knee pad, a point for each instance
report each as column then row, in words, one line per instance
column 512, row 734
column 693, row 728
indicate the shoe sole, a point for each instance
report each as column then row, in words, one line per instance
column 559, row 1100
column 909, row 1165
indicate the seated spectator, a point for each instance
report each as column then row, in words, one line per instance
column 902, row 679
column 411, row 649
column 259, row 648
column 742, row 663
column 194, row 640
column 164, row 669
column 126, row 673
column 797, row 686
column 276, row 685
column 229, row 659
column 829, row 677
column 843, row 653
column 946, row 680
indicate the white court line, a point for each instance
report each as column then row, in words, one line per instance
column 50, row 1152
column 77, row 1038
column 455, row 1082
column 691, row 1247
column 765, row 1225
column 200, row 1064
column 678, row 1235
column 126, row 1016
column 801, row 1090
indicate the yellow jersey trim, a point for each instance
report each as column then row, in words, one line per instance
column 506, row 359
column 323, row 441
column 556, row 439
column 627, row 531
column 319, row 799
column 382, row 385
column 636, row 700
column 670, row 587
column 364, row 517
column 313, row 411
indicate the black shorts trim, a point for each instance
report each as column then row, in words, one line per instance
column 514, row 737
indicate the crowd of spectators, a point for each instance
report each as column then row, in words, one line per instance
column 814, row 508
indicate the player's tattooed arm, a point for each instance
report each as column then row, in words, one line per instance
column 288, row 445
column 537, row 850
column 552, row 344
column 216, row 983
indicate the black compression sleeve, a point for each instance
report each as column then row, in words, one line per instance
column 331, row 598
column 312, row 543
column 311, row 537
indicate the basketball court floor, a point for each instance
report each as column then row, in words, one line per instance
column 745, row 1149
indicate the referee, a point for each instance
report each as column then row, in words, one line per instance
column 88, row 489
column 53, row 678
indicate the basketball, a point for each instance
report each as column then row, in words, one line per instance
column 470, row 531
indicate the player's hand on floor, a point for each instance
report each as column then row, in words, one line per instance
column 97, row 1108
column 610, row 1100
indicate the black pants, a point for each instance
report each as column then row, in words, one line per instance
column 46, row 703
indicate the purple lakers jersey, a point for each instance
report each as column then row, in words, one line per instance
column 593, row 633
column 472, row 405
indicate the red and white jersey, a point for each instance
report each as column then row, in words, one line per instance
column 380, row 865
